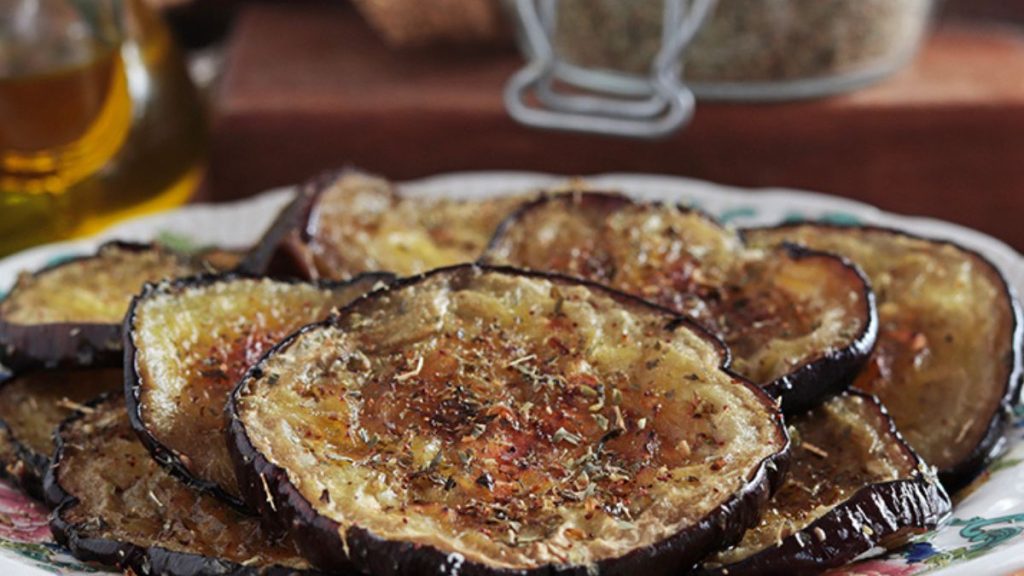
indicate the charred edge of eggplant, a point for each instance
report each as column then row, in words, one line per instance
column 64, row 344
column 28, row 468
column 126, row 245
column 921, row 499
column 800, row 390
column 168, row 458
column 18, row 470
column 266, row 487
column 281, row 251
column 36, row 465
column 124, row 555
column 6, row 468
column 994, row 441
column 614, row 199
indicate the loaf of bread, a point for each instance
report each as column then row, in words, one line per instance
column 411, row 23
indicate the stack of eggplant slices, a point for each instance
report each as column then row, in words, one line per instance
column 559, row 382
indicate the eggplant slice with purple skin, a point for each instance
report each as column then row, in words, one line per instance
column 346, row 222
column 69, row 314
column 853, row 485
column 480, row 420
column 114, row 505
column 948, row 360
column 187, row 344
column 799, row 323
column 32, row 406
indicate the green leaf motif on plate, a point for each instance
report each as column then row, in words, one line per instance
column 178, row 242
column 984, row 534
column 837, row 218
column 727, row 216
column 60, row 259
column 47, row 557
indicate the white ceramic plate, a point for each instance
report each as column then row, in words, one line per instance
column 983, row 537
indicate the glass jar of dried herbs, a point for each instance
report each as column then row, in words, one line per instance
column 751, row 49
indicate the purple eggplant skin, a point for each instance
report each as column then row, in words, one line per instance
column 810, row 384
column 266, row 487
column 48, row 346
column 320, row 541
column 143, row 560
column 60, row 345
column 166, row 457
column 27, row 469
column 872, row 507
column 279, row 253
column 25, row 446
column 889, row 510
column 993, row 443
column 20, row 465
column 835, row 370
column 64, row 345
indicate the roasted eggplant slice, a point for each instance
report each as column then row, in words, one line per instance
column 116, row 506
column 341, row 224
column 948, row 360
column 799, row 323
column 494, row 421
column 70, row 314
column 189, row 341
column 33, row 405
column 853, row 485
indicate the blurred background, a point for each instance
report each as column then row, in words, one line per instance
column 114, row 108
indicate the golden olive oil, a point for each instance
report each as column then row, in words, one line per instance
column 118, row 132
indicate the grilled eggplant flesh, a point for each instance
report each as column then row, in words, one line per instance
column 70, row 314
column 488, row 420
column 33, row 405
column 115, row 505
column 853, row 485
column 188, row 343
column 799, row 323
column 948, row 360
column 346, row 223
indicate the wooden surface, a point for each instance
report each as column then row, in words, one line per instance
column 309, row 88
